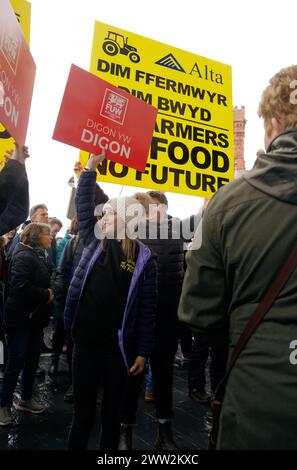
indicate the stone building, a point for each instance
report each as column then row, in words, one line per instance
column 239, row 122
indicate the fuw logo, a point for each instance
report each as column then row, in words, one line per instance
column 114, row 106
column 170, row 62
column 10, row 47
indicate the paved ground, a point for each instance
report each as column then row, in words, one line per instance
column 49, row 431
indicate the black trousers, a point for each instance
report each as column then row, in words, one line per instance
column 162, row 363
column 201, row 350
column 23, row 352
column 130, row 398
column 185, row 337
column 162, row 360
column 58, row 340
column 94, row 366
column 59, row 337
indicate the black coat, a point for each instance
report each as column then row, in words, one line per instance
column 168, row 244
column 14, row 196
column 29, row 280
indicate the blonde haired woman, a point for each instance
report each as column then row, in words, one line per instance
column 110, row 309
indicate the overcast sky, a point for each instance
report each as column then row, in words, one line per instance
column 255, row 39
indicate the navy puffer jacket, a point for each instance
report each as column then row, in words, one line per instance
column 168, row 245
column 136, row 335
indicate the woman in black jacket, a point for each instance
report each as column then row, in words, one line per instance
column 25, row 315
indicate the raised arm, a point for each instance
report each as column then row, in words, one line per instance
column 14, row 191
column 88, row 193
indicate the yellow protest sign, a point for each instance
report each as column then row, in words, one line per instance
column 22, row 10
column 192, row 146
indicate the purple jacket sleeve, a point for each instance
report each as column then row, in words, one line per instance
column 88, row 195
column 148, row 308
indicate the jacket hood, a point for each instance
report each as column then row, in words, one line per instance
column 275, row 173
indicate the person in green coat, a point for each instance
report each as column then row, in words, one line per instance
column 248, row 230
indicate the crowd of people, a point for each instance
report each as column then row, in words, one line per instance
column 121, row 293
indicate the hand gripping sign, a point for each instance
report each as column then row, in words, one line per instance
column 96, row 115
column 17, row 74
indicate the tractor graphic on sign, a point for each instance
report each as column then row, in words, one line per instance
column 116, row 43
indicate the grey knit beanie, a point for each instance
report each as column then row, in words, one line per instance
column 127, row 208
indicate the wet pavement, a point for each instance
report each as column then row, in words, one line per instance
column 49, row 430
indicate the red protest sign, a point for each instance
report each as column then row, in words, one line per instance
column 96, row 115
column 17, row 74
